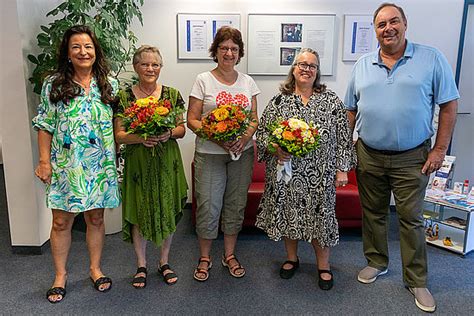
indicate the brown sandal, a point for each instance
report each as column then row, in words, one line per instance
column 237, row 266
column 204, row 271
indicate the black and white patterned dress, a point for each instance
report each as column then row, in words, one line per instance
column 304, row 208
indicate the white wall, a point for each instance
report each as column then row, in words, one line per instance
column 432, row 22
column 463, row 140
column 28, row 216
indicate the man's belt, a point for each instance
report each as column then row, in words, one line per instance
column 393, row 152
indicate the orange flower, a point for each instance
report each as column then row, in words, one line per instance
column 221, row 127
column 287, row 135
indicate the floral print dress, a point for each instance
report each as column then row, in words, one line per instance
column 84, row 176
column 304, row 208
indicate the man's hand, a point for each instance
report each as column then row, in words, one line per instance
column 434, row 161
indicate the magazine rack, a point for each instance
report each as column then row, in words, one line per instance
column 449, row 215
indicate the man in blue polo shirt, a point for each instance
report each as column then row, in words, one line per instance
column 391, row 100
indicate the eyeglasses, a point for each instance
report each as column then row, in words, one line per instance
column 154, row 66
column 225, row 49
column 305, row 66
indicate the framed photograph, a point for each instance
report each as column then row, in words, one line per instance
column 291, row 32
column 359, row 36
column 196, row 32
column 287, row 55
column 273, row 40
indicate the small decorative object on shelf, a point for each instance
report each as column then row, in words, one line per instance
column 465, row 189
column 432, row 232
column 447, row 241
column 457, row 188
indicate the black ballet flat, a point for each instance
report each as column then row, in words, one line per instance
column 325, row 285
column 289, row 273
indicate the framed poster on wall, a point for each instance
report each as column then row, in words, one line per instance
column 275, row 39
column 196, row 32
column 359, row 36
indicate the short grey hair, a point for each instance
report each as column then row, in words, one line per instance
column 146, row 49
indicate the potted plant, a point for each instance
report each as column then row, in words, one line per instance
column 109, row 19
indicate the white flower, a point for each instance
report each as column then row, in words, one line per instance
column 295, row 124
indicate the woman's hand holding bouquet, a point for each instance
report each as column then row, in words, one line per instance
column 292, row 137
column 226, row 125
column 152, row 119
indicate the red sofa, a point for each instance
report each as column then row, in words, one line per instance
column 348, row 209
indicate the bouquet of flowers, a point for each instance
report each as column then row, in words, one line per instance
column 225, row 123
column 295, row 137
column 150, row 116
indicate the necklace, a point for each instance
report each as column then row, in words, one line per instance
column 147, row 94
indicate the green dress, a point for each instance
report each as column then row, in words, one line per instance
column 154, row 188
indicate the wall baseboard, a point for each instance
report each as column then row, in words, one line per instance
column 31, row 250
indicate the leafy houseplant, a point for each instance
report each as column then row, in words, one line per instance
column 110, row 21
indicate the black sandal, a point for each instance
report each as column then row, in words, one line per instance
column 325, row 284
column 168, row 276
column 56, row 291
column 139, row 279
column 100, row 281
column 289, row 273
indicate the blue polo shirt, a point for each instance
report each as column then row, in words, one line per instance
column 395, row 107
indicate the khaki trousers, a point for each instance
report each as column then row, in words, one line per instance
column 378, row 175
column 221, row 187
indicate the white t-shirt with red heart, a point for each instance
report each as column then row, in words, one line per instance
column 213, row 93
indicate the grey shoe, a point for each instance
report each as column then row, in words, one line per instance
column 423, row 299
column 369, row 274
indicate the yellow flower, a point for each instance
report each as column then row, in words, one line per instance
column 161, row 110
column 221, row 114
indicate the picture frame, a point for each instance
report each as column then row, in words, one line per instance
column 196, row 32
column 359, row 36
column 273, row 40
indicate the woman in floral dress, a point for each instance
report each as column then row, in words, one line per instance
column 154, row 185
column 304, row 207
column 77, row 151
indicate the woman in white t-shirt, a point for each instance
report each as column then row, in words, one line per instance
column 221, row 184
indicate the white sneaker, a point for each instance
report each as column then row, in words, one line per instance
column 423, row 299
column 369, row 274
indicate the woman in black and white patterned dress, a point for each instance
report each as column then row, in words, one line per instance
column 304, row 207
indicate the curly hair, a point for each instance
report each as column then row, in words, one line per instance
column 288, row 86
column 223, row 34
column 63, row 87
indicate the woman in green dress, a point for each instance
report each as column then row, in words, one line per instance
column 154, row 185
column 77, row 151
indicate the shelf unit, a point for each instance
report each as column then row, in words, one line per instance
column 437, row 210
